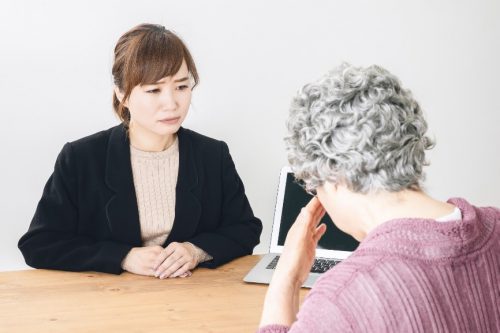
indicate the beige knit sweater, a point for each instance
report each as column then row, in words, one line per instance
column 155, row 180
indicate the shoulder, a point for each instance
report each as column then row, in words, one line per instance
column 202, row 143
column 198, row 138
column 489, row 213
column 95, row 144
column 487, row 216
column 91, row 149
column 468, row 209
column 97, row 139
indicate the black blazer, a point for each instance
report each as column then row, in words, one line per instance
column 87, row 218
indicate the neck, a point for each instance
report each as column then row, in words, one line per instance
column 375, row 209
column 147, row 141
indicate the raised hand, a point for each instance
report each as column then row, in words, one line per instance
column 300, row 244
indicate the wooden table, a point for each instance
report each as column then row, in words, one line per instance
column 54, row 301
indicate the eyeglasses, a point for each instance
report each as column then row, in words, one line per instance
column 311, row 192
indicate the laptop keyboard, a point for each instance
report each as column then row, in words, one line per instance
column 320, row 265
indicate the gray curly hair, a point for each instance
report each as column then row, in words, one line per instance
column 357, row 127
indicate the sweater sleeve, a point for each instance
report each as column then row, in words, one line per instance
column 53, row 240
column 274, row 328
column 319, row 313
column 239, row 230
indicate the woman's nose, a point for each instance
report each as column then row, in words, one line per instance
column 167, row 100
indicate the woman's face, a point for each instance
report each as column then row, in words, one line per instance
column 160, row 108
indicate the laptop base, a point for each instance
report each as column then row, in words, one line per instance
column 260, row 274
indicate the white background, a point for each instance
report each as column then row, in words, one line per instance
column 252, row 56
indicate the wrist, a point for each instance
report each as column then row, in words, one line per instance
column 194, row 251
column 125, row 260
column 287, row 278
column 281, row 302
column 284, row 280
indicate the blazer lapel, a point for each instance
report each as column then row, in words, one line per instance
column 187, row 206
column 121, row 210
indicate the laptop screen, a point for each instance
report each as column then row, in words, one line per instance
column 295, row 197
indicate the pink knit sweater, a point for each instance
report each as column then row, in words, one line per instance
column 412, row 275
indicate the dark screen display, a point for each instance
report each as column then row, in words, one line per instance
column 296, row 198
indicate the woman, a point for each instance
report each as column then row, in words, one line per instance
column 357, row 139
column 146, row 196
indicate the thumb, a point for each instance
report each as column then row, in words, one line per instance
column 320, row 231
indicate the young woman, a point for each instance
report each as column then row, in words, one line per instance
column 357, row 138
column 146, row 196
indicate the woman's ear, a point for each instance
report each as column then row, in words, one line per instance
column 119, row 94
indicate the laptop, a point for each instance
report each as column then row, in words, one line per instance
column 333, row 247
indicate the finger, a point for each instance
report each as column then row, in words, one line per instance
column 172, row 268
column 178, row 258
column 323, row 213
column 320, row 231
column 167, row 252
column 171, row 260
column 313, row 205
column 184, row 268
column 315, row 210
column 187, row 274
column 304, row 215
column 318, row 215
column 320, row 211
column 309, row 219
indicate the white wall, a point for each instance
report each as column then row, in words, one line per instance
column 55, row 83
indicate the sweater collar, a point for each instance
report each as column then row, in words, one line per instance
column 428, row 239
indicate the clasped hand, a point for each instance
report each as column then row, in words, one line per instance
column 176, row 260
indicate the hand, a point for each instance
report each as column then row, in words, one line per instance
column 141, row 260
column 300, row 244
column 176, row 260
column 282, row 298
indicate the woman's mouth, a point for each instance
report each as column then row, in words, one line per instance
column 170, row 121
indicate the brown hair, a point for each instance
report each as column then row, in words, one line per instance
column 144, row 55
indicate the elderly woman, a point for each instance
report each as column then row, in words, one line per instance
column 357, row 139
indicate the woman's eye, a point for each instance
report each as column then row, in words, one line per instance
column 153, row 91
column 183, row 87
